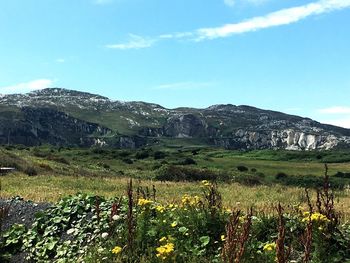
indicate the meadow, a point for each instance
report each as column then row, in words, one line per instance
column 165, row 177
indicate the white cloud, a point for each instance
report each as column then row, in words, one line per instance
column 278, row 18
column 229, row 2
column 282, row 17
column 339, row 122
column 184, row 85
column 135, row 42
column 336, row 110
column 27, row 86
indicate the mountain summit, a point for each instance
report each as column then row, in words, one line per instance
column 67, row 117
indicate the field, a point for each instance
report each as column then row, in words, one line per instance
column 257, row 179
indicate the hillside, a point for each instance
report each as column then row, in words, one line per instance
column 67, row 117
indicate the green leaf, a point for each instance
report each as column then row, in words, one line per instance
column 204, row 240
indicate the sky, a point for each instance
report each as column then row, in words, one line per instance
column 290, row 56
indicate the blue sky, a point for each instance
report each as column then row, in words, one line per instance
column 291, row 56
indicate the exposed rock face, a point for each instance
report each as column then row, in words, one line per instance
column 67, row 117
column 44, row 125
column 284, row 139
column 185, row 126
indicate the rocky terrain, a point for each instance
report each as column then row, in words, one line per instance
column 66, row 117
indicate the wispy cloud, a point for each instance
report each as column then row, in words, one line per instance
column 278, row 18
column 184, row 85
column 27, row 86
column 135, row 42
column 335, row 110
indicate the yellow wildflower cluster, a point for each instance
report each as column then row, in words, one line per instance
column 269, row 247
column 160, row 208
column 144, row 202
column 190, row 200
column 206, row 183
column 315, row 217
column 116, row 250
column 164, row 251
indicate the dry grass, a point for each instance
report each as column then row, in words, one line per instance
column 50, row 188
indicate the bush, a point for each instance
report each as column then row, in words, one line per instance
column 250, row 180
column 242, row 168
column 30, row 171
column 342, row 175
column 253, row 170
column 57, row 159
column 142, row 155
column 159, row 155
column 180, row 173
column 128, row 161
column 187, row 161
column 280, row 175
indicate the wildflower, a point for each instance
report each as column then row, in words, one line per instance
column 160, row 208
column 174, row 224
column 104, row 235
column 116, row 250
column 205, row 183
column 269, row 247
column 223, row 238
column 162, row 239
column 190, row 200
column 315, row 217
column 144, row 202
column 165, row 250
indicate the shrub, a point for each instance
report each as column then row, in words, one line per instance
column 159, row 155
column 128, row 161
column 249, row 179
column 242, row 168
column 342, row 175
column 187, row 161
column 57, row 159
column 180, row 173
column 30, row 171
column 253, row 170
column 280, row 175
column 142, row 155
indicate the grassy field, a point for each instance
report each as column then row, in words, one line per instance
column 185, row 221
column 64, row 171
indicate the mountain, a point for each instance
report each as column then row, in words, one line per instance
column 67, row 117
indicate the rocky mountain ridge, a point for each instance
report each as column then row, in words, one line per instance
column 67, row 117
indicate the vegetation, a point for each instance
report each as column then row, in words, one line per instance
column 138, row 228
column 257, row 211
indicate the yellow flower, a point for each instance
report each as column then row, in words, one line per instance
column 160, row 208
column 269, row 247
column 162, row 239
column 165, row 250
column 174, row 224
column 223, row 238
column 144, row 202
column 205, row 183
column 116, row 250
column 315, row 217
column 190, row 200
